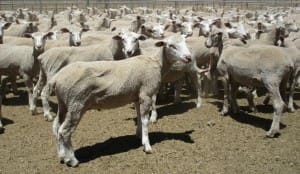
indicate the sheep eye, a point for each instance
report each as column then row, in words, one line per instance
column 173, row 46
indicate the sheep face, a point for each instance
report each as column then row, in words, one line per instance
column 3, row 26
column 186, row 28
column 291, row 26
column 75, row 35
column 39, row 39
column 205, row 26
column 280, row 34
column 129, row 42
column 175, row 49
column 237, row 30
column 214, row 38
column 154, row 31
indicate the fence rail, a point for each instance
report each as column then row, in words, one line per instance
column 59, row 5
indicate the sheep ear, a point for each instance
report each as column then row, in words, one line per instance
column 142, row 37
column 65, row 30
column 160, row 43
column 28, row 35
column 48, row 35
column 197, row 24
column 85, row 29
column 113, row 29
column 6, row 25
column 166, row 27
column 178, row 25
column 117, row 37
column 228, row 25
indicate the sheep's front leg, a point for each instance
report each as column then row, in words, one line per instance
column 39, row 86
column 138, row 118
column 145, row 104
column 153, row 117
column 226, row 99
column 29, row 86
column 177, row 91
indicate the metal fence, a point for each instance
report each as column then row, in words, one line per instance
column 58, row 5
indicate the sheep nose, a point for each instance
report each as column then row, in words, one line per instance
column 188, row 58
column 129, row 52
column 78, row 43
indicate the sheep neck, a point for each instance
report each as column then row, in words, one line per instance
column 165, row 65
column 115, row 47
column 270, row 37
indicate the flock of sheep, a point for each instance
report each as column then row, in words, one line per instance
column 101, row 59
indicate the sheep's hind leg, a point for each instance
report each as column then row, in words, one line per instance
column 45, row 101
column 278, row 106
column 29, row 85
column 65, row 132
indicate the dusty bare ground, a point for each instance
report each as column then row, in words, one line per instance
column 184, row 140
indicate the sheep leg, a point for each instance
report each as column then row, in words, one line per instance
column 153, row 117
column 65, row 132
column 177, row 91
column 278, row 106
column 291, row 94
column 29, row 86
column 61, row 114
column 14, row 84
column 197, row 82
column 3, row 87
column 145, row 103
column 226, row 93
column 45, row 101
column 138, row 117
column 39, row 86
column 1, row 125
column 267, row 99
column 233, row 92
column 250, row 99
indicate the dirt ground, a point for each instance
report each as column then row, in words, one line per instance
column 184, row 140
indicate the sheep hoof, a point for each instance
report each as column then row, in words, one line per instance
column 272, row 133
column 291, row 109
column 148, row 150
column 48, row 117
column 33, row 111
column 72, row 162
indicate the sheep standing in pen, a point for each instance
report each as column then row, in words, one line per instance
column 255, row 66
column 109, row 84
column 123, row 45
column 22, row 60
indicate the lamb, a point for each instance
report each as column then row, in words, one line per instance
column 109, row 84
column 123, row 45
column 22, row 60
column 255, row 66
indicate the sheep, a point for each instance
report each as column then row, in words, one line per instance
column 3, row 26
column 154, row 30
column 22, row 60
column 123, row 45
column 109, row 84
column 74, row 39
column 255, row 66
column 19, row 29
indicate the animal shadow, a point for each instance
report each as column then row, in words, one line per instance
column 126, row 143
